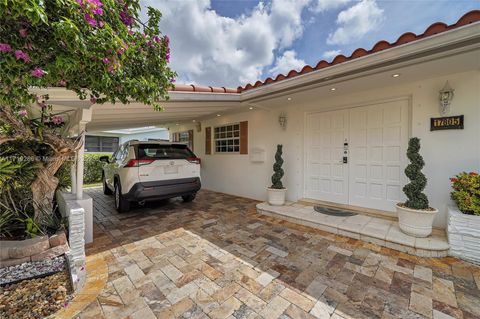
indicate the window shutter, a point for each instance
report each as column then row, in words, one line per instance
column 208, row 140
column 190, row 139
column 244, row 137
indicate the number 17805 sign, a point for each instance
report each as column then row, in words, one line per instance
column 446, row 123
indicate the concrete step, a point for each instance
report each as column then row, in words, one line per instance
column 377, row 230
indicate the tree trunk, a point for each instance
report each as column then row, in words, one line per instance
column 44, row 186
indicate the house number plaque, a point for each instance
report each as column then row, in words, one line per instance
column 446, row 123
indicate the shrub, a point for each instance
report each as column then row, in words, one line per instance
column 92, row 171
column 466, row 192
column 277, row 168
column 418, row 181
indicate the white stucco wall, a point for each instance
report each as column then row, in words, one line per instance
column 445, row 152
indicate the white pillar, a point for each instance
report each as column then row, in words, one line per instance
column 73, row 176
column 80, row 164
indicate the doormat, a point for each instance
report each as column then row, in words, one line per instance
column 333, row 211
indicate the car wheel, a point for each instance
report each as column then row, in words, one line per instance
column 121, row 204
column 188, row 198
column 106, row 190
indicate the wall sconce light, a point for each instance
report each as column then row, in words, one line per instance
column 446, row 96
column 282, row 120
column 198, row 126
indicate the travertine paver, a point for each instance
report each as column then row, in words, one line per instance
column 217, row 258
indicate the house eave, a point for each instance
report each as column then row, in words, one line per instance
column 462, row 39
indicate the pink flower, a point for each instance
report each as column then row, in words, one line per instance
column 62, row 83
column 125, row 17
column 20, row 55
column 166, row 39
column 93, row 100
column 105, row 60
column 23, row 113
column 167, row 57
column 90, row 20
column 4, row 47
column 23, row 32
column 57, row 120
column 38, row 73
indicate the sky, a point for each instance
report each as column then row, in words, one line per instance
column 235, row 42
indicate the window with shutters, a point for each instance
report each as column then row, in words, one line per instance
column 227, row 138
column 101, row 144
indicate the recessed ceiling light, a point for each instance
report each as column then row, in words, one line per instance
column 333, row 89
column 289, row 98
column 250, row 108
column 396, row 75
column 194, row 121
column 218, row 115
column 177, row 124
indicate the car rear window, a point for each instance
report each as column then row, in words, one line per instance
column 159, row 151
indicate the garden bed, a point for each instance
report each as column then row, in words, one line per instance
column 36, row 298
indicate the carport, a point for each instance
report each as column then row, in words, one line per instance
column 187, row 103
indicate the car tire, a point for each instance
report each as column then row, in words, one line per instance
column 121, row 204
column 106, row 190
column 188, row 198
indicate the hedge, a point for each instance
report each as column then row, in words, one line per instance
column 92, row 172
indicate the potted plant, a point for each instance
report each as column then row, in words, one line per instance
column 276, row 193
column 415, row 216
column 463, row 228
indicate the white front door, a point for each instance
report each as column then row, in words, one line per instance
column 377, row 137
column 327, row 176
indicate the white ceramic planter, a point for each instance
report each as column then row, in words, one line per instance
column 413, row 222
column 463, row 235
column 276, row 197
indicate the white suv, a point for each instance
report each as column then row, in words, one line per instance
column 143, row 171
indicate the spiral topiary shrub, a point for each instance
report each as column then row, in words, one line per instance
column 414, row 190
column 277, row 168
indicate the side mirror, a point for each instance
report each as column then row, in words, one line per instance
column 104, row 159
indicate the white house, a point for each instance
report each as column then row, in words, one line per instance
column 345, row 125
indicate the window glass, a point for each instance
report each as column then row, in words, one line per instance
column 159, row 151
column 227, row 138
column 101, row 144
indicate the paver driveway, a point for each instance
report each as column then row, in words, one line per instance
column 218, row 258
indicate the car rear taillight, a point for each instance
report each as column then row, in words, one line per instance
column 137, row 163
column 194, row 160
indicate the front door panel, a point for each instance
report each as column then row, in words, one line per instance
column 378, row 140
column 377, row 137
column 326, row 174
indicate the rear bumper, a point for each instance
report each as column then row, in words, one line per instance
column 163, row 189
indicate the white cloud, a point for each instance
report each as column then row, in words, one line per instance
column 324, row 5
column 287, row 62
column 211, row 49
column 356, row 21
column 331, row 54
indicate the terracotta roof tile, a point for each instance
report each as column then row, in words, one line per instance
column 438, row 27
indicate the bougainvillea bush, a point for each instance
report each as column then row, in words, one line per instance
column 466, row 192
column 97, row 48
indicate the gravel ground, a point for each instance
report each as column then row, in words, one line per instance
column 31, row 269
column 36, row 298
